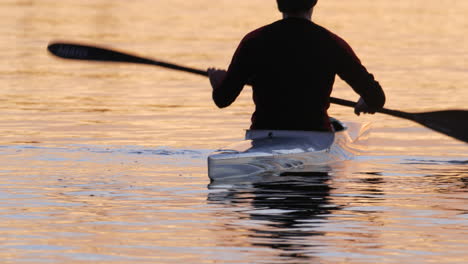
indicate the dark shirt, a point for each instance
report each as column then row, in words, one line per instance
column 291, row 65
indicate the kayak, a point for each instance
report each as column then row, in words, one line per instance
column 280, row 152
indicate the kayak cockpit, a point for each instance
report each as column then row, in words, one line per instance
column 276, row 151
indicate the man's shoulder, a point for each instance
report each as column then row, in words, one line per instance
column 333, row 36
column 257, row 33
column 337, row 41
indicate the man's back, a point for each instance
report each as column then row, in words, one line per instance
column 292, row 65
column 293, row 77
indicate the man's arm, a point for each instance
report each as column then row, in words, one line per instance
column 356, row 75
column 216, row 77
column 227, row 85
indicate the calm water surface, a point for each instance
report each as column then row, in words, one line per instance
column 106, row 163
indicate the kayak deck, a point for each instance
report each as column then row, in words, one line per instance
column 279, row 151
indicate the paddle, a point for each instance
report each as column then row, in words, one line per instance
column 453, row 123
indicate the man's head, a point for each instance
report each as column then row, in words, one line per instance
column 295, row 6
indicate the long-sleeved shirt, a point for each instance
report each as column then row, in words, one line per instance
column 291, row 65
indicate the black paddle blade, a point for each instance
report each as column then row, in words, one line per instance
column 83, row 52
column 453, row 123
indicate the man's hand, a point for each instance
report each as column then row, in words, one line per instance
column 216, row 77
column 362, row 107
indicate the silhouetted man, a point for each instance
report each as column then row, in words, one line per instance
column 292, row 64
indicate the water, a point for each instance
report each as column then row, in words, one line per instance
column 106, row 163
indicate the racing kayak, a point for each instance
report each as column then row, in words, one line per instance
column 280, row 152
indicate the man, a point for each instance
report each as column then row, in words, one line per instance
column 291, row 65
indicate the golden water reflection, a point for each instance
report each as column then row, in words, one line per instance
column 106, row 163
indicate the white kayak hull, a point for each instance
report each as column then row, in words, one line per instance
column 279, row 151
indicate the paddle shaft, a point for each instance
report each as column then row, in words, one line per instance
column 82, row 52
column 450, row 122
